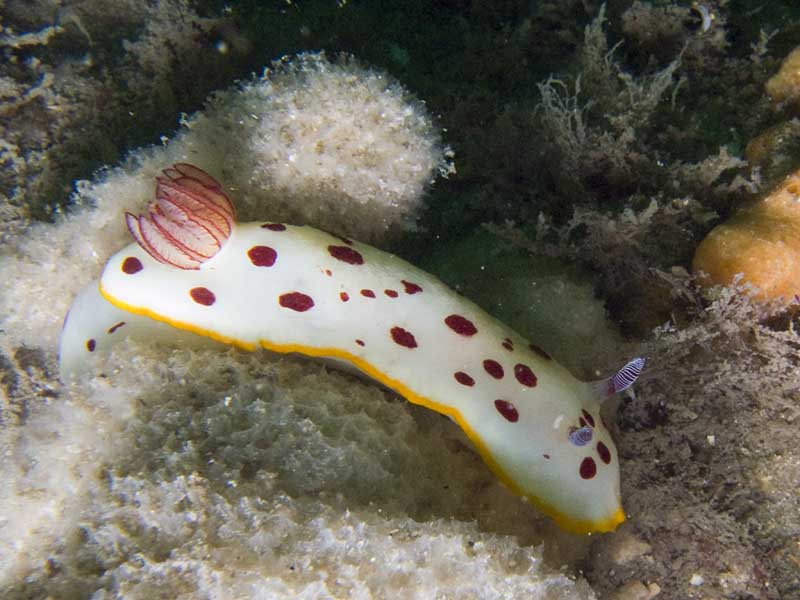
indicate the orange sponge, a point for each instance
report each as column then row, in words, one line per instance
column 762, row 242
column 784, row 86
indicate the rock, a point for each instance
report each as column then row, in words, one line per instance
column 626, row 547
column 636, row 590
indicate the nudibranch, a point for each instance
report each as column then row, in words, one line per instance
column 298, row 289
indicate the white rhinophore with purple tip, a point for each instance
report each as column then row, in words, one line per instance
column 298, row 289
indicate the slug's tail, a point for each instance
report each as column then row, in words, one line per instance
column 93, row 326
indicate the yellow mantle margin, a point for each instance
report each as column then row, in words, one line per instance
column 564, row 521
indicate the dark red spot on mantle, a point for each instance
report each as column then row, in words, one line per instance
column 461, row 325
column 115, row 327
column 403, row 337
column 274, row 226
column 91, row 345
column 346, row 254
column 262, row 256
column 588, row 468
column 344, row 296
column 411, row 288
column 540, row 352
column 296, row 301
column 368, row 293
column 581, row 422
column 493, row 368
column 524, row 375
column 203, row 296
column 328, row 272
column 360, row 342
column 508, row 410
column 131, row 265
column 390, row 293
column 589, row 418
column 464, row 379
column 508, row 344
column 604, row 452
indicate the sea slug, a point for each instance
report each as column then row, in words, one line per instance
column 298, row 289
